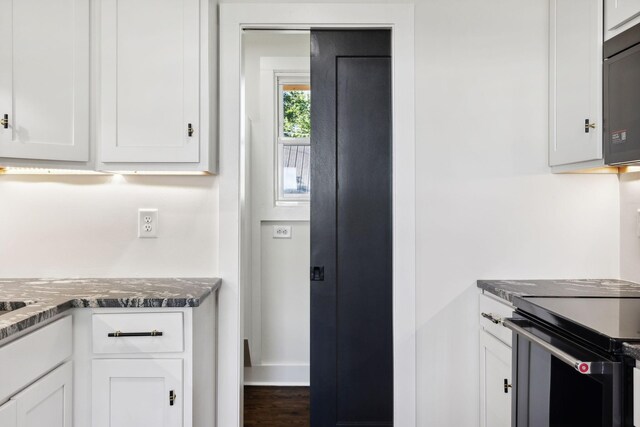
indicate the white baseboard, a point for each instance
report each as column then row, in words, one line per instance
column 277, row 375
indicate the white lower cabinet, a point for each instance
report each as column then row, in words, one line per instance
column 495, row 382
column 636, row 397
column 137, row 393
column 145, row 367
column 495, row 363
column 8, row 416
column 48, row 401
column 37, row 385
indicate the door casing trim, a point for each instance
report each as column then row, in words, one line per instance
column 234, row 18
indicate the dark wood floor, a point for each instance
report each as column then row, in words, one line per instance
column 276, row 406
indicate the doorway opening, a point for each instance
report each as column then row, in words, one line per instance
column 275, row 226
column 234, row 18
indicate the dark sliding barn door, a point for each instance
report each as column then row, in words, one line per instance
column 351, row 230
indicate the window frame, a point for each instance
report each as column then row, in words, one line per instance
column 282, row 78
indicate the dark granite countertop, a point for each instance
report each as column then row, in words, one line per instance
column 32, row 301
column 631, row 350
column 614, row 288
column 507, row 289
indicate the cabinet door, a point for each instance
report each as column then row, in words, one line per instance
column 495, row 369
column 44, row 79
column 137, row 393
column 617, row 12
column 576, row 81
column 47, row 402
column 149, row 73
column 8, row 414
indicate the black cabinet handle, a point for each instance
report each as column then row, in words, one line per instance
column 507, row 386
column 172, row 397
column 118, row 334
column 5, row 121
column 588, row 125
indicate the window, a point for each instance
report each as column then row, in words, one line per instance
column 293, row 138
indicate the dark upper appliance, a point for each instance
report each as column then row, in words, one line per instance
column 569, row 370
column 621, row 130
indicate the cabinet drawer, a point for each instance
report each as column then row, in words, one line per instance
column 496, row 309
column 138, row 333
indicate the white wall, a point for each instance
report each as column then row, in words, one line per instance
column 487, row 206
column 285, row 296
column 86, row 226
column 629, row 240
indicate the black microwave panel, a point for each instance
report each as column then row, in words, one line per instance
column 622, row 107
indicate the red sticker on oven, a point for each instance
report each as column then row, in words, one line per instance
column 584, row 367
column 619, row 136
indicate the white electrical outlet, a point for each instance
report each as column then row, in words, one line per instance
column 147, row 223
column 281, row 231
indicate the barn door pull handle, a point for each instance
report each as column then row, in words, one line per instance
column 317, row 274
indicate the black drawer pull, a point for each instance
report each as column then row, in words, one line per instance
column 118, row 334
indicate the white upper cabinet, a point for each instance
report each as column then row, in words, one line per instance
column 110, row 85
column 619, row 12
column 149, row 81
column 44, row 79
column 575, row 121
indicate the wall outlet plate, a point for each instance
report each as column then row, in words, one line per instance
column 281, row 231
column 147, row 223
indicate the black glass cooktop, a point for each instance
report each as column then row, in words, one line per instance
column 605, row 322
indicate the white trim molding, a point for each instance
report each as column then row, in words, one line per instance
column 233, row 19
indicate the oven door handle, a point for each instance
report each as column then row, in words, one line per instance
column 586, row 368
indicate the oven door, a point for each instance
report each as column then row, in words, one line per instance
column 558, row 383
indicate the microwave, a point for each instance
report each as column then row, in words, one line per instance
column 621, row 84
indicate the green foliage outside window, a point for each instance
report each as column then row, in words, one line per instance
column 297, row 113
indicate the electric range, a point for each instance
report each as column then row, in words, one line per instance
column 569, row 369
column 603, row 322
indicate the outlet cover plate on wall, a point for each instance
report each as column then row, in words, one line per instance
column 281, row 231
column 147, row 223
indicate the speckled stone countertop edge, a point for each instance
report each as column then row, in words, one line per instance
column 507, row 289
column 493, row 290
column 631, row 350
column 48, row 300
